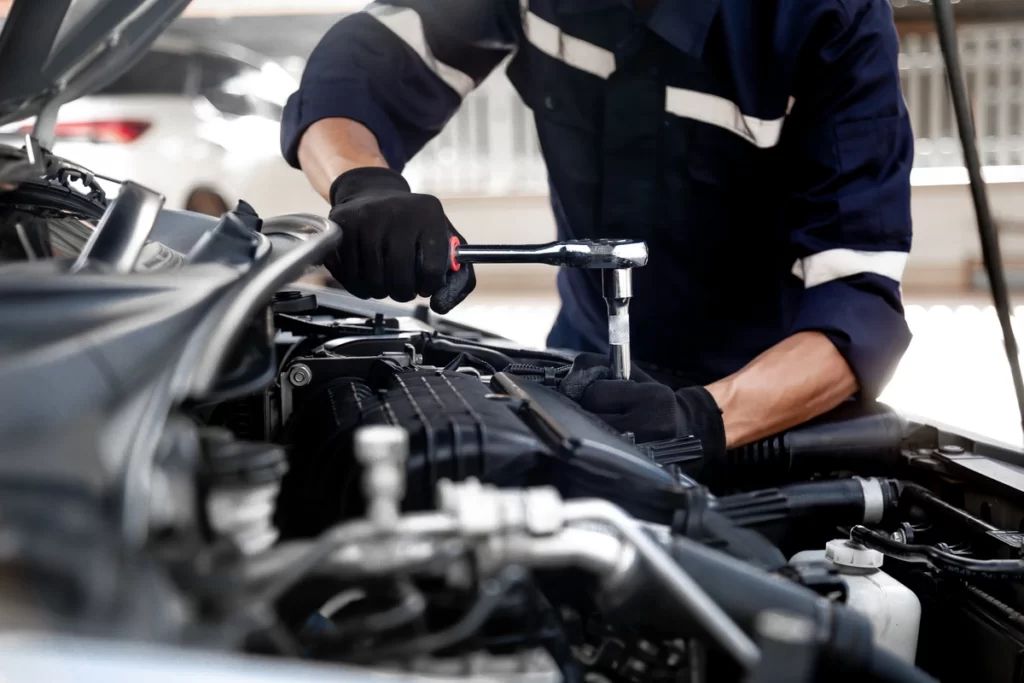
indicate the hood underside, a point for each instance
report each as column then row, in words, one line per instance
column 55, row 51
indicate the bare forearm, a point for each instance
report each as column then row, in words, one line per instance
column 798, row 379
column 332, row 146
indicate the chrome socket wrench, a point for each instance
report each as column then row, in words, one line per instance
column 615, row 258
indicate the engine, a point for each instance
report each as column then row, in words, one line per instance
column 386, row 421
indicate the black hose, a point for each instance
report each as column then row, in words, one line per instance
column 857, row 437
column 886, row 667
column 834, row 503
column 946, row 25
column 913, row 493
column 938, row 559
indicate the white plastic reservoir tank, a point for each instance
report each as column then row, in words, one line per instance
column 892, row 608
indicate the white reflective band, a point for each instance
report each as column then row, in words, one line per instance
column 718, row 111
column 577, row 53
column 407, row 25
column 834, row 264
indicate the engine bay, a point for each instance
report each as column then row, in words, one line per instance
column 210, row 468
column 482, row 421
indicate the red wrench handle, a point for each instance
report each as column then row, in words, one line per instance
column 454, row 243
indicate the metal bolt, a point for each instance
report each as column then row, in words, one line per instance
column 951, row 449
column 300, row 375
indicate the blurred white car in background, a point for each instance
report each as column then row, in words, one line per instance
column 198, row 123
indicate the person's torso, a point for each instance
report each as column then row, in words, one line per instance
column 658, row 129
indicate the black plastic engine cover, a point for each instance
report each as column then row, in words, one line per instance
column 518, row 433
column 456, row 430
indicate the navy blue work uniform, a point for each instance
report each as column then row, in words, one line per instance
column 763, row 149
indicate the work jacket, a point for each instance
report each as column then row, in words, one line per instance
column 762, row 148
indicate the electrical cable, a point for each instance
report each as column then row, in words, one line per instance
column 492, row 592
column 938, row 559
column 411, row 606
column 946, row 25
column 913, row 493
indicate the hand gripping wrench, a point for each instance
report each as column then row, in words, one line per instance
column 614, row 258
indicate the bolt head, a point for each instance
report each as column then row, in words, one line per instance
column 300, row 375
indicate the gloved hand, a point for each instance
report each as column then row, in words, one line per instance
column 586, row 369
column 642, row 405
column 654, row 412
column 394, row 243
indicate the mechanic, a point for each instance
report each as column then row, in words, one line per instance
column 763, row 149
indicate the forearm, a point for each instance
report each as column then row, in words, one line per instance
column 798, row 379
column 330, row 147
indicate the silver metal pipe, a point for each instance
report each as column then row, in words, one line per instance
column 287, row 563
column 699, row 604
column 121, row 234
column 601, row 554
column 288, row 231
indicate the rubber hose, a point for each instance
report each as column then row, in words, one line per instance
column 777, row 512
column 865, row 439
column 938, row 559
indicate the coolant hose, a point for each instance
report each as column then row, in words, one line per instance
column 842, row 502
column 744, row 593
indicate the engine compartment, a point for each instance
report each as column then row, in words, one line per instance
column 205, row 460
column 474, row 411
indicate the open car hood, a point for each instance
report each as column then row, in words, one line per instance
column 55, row 51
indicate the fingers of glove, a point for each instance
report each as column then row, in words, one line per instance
column 373, row 247
column 644, row 428
column 457, row 287
column 587, row 368
column 621, row 397
column 434, row 246
column 399, row 269
column 344, row 263
column 586, row 360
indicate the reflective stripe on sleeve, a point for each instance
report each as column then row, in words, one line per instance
column 407, row 25
column 835, row 264
column 718, row 111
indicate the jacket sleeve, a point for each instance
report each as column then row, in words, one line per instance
column 850, row 153
column 402, row 69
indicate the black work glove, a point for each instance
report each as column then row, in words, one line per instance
column 394, row 243
column 642, row 405
column 586, row 369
